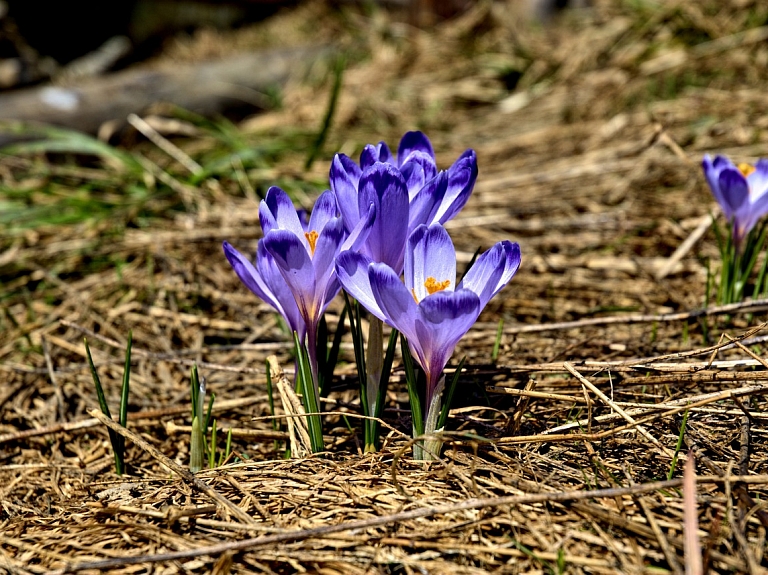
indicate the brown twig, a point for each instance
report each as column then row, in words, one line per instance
column 751, row 306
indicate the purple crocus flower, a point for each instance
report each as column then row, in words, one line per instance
column 740, row 190
column 265, row 280
column 429, row 308
column 411, row 191
column 303, row 254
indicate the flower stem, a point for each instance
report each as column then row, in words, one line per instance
column 374, row 364
column 431, row 448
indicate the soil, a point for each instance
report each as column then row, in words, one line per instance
column 565, row 450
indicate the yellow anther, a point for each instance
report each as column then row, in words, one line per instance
column 746, row 169
column 413, row 293
column 433, row 285
column 312, row 239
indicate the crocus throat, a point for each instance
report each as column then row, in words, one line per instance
column 746, row 169
column 432, row 286
column 312, row 239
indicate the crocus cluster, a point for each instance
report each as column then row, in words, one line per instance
column 381, row 219
column 742, row 193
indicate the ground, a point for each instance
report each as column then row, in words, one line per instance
column 565, row 449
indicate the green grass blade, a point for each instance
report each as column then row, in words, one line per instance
column 52, row 139
column 322, row 353
column 208, row 414
column 311, row 404
column 448, row 398
column 212, row 447
column 317, row 146
column 333, row 353
column 679, row 445
column 194, row 392
column 417, row 413
column 271, row 397
column 497, row 341
column 386, row 371
column 124, row 393
column 114, row 438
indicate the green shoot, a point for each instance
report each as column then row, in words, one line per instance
column 497, row 341
column 411, row 378
column 306, row 386
column 446, row 408
column 117, row 440
column 679, row 445
column 212, row 447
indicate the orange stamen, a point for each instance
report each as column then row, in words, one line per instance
column 413, row 293
column 746, row 169
column 433, row 285
column 312, row 239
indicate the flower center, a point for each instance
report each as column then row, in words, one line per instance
column 746, row 169
column 312, row 239
column 432, row 286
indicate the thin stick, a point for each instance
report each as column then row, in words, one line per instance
column 164, row 144
column 617, row 409
column 685, row 247
column 54, row 380
column 666, row 548
column 742, row 307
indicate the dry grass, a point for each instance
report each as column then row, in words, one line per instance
column 557, row 454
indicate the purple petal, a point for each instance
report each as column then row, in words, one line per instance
column 394, row 300
column 372, row 154
column 360, row 232
column 492, row 271
column 413, row 142
column 417, row 170
column 352, row 271
column 721, row 162
column 427, row 202
column 345, row 177
column 323, row 260
column 266, row 219
column 296, row 267
column 758, row 180
column 430, row 254
column 734, row 189
column 711, row 173
column 383, row 186
column 267, row 283
column 461, row 181
column 323, row 211
column 748, row 218
column 444, row 318
column 282, row 211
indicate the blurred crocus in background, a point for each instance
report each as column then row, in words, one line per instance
column 742, row 193
column 429, row 309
